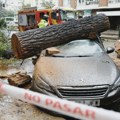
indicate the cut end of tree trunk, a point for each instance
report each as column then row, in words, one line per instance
column 16, row 46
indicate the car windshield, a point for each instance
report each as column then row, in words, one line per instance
column 70, row 14
column 63, row 15
column 67, row 15
column 80, row 48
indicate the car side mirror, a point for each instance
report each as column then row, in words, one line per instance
column 110, row 50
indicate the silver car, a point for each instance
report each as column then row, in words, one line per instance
column 82, row 72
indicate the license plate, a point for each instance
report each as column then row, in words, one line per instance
column 89, row 102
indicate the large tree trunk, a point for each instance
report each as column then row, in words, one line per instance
column 31, row 42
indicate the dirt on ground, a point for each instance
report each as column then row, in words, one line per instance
column 13, row 109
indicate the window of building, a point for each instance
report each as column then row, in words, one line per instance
column 66, row 3
column 88, row 2
column 81, row 1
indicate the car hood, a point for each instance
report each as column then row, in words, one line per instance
column 76, row 71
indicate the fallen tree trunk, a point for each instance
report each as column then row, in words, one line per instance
column 29, row 43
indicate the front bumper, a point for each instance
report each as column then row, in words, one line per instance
column 105, row 101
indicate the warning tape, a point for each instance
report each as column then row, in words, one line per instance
column 76, row 110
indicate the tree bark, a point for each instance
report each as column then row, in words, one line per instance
column 31, row 42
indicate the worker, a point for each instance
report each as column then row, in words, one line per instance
column 54, row 18
column 43, row 22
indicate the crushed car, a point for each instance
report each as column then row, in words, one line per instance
column 79, row 71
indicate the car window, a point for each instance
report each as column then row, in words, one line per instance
column 83, row 47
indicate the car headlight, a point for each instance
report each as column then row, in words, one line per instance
column 114, row 88
column 43, row 84
column 116, row 84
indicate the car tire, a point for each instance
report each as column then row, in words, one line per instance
column 117, row 107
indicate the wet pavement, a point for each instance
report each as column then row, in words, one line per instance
column 13, row 109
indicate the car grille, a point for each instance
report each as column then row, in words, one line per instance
column 82, row 91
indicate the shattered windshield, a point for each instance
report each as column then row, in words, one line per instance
column 80, row 48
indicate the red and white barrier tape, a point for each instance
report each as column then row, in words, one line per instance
column 79, row 111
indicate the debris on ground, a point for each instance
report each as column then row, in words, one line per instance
column 19, row 79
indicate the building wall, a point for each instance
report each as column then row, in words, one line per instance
column 38, row 3
column 73, row 3
column 60, row 3
column 97, row 4
column 92, row 7
column 67, row 3
column 103, row 3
